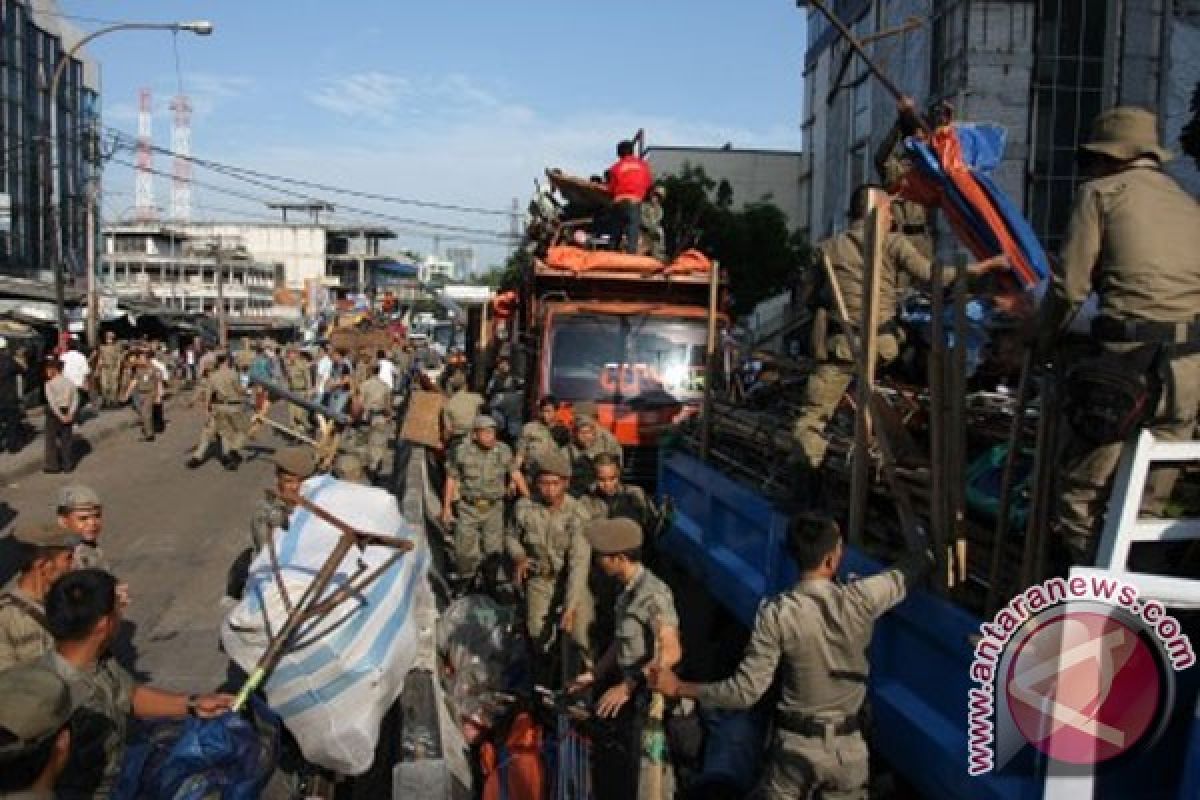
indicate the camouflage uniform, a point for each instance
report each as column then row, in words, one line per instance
column 583, row 466
column 300, row 381
column 108, row 367
column 98, row 729
column 24, row 635
column 229, row 422
column 832, row 375
column 1134, row 237
column 481, row 476
column 377, row 416
column 815, row 637
column 559, row 559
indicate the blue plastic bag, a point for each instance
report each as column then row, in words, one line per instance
column 231, row 757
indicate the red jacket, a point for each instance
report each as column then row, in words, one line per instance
column 629, row 179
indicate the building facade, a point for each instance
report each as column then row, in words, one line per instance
column 753, row 175
column 187, row 273
column 34, row 38
column 1042, row 69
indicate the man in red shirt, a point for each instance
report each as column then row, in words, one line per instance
column 628, row 181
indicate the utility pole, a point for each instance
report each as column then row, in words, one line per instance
column 222, row 322
column 93, row 304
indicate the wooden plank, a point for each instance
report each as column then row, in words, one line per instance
column 868, row 353
column 422, row 422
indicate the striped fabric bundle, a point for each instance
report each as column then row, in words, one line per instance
column 342, row 671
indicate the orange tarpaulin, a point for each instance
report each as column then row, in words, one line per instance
column 576, row 259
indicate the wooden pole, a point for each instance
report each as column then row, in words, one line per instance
column 937, row 425
column 868, row 355
column 957, row 487
column 710, row 359
column 1003, row 512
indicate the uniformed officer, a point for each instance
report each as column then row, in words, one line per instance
column 610, row 498
column 911, row 220
column 145, row 386
column 376, row 398
column 477, row 479
column 459, row 412
column 84, row 613
column 225, row 401
column 35, row 741
column 550, row 557
column 1133, row 238
column 544, row 434
column 108, row 368
column 47, row 552
column 646, row 633
column 300, row 381
column 503, row 397
column 652, row 223
column 293, row 466
column 835, row 368
column 590, row 441
column 81, row 514
column 349, row 467
column 815, row 636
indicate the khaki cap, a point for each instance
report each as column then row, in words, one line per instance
column 554, row 464
column 298, row 461
column 37, row 704
column 46, row 534
column 1126, row 133
column 484, row 421
column 456, row 381
column 608, row 536
column 584, row 421
column 77, row 497
column 349, row 467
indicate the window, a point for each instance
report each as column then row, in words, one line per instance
column 1068, row 92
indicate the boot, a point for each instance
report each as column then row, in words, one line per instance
column 232, row 462
column 193, row 462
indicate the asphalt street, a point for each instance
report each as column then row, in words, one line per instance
column 170, row 533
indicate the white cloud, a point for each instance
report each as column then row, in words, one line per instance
column 370, row 95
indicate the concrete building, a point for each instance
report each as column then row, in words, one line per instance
column 754, row 175
column 182, row 271
column 1042, row 69
column 434, row 268
column 34, row 38
column 464, row 262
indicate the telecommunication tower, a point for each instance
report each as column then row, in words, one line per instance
column 144, row 207
column 181, row 144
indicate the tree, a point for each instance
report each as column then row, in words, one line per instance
column 753, row 244
column 508, row 276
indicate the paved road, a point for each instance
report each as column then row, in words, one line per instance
column 171, row 534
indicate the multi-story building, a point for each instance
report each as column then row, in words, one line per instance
column 463, row 259
column 1041, row 68
column 752, row 175
column 187, row 273
column 34, row 38
column 436, row 269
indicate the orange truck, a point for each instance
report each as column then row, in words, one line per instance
column 625, row 334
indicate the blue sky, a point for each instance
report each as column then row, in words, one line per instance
column 457, row 102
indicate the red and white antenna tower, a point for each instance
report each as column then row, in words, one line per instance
column 144, row 207
column 181, row 144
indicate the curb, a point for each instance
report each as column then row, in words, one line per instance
column 34, row 464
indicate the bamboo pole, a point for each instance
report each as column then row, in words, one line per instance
column 710, row 359
column 868, row 356
column 1003, row 515
column 957, row 493
column 937, row 425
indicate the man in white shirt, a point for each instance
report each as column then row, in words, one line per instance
column 75, row 368
column 387, row 370
column 324, row 371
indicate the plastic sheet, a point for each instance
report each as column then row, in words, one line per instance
column 481, row 652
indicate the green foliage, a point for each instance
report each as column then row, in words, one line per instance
column 508, row 276
column 753, row 244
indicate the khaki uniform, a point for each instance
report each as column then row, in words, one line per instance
column 229, row 420
column 535, row 439
column 300, row 380
column 559, row 558
column 377, row 416
column 815, row 636
column 24, row 635
column 629, row 502
column 108, row 368
column 652, row 229
column 1133, row 237
column 831, row 377
column 481, row 476
column 911, row 219
column 147, row 384
column 271, row 513
column 458, row 415
column 98, row 729
column 583, row 466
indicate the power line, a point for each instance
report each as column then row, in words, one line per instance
column 408, row 226
column 321, row 187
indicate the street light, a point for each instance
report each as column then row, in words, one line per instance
column 51, row 211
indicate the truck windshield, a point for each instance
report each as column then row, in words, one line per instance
column 634, row 358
